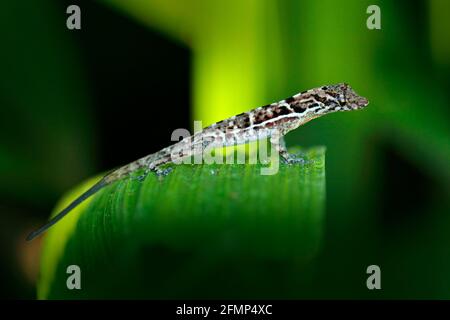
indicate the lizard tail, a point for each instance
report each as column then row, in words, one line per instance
column 106, row 180
column 96, row 187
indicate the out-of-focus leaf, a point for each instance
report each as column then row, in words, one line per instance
column 203, row 231
column 439, row 28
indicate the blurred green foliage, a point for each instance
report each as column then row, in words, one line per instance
column 249, row 53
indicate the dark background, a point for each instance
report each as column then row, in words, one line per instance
column 76, row 103
column 138, row 90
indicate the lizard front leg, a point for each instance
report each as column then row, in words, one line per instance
column 279, row 144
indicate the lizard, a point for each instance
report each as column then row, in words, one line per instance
column 271, row 121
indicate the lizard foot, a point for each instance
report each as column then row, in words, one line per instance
column 163, row 172
column 293, row 158
column 143, row 176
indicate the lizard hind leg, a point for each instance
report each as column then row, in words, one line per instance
column 158, row 165
column 143, row 175
column 160, row 172
column 161, row 168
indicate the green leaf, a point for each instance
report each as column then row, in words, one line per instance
column 202, row 231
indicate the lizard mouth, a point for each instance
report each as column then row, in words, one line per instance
column 361, row 102
column 354, row 100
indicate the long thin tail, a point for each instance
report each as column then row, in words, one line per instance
column 96, row 187
column 109, row 178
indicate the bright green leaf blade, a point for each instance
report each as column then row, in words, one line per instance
column 202, row 231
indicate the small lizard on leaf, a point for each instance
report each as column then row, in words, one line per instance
column 271, row 121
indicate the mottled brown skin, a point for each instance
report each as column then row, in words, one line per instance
column 271, row 121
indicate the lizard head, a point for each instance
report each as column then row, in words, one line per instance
column 342, row 97
column 327, row 99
